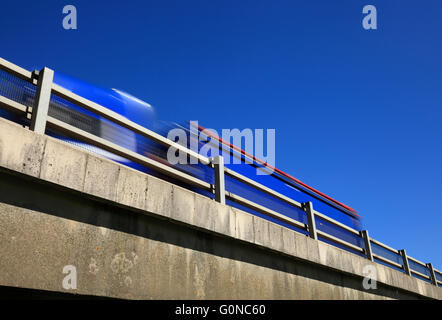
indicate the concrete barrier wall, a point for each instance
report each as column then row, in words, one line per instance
column 131, row 235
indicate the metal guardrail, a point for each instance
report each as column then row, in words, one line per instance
column 40, row 120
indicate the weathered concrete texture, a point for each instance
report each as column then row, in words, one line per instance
column 20, row 151
column 70, row 172
column 131, row 188
column 145, row 268
column 36, row 247
column 102, row 179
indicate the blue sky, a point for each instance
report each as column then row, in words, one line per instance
column 357, row 113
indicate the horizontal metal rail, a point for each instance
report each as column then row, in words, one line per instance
column 420, row 274
column 284, row 198
column 11, row 105
column 384, row 246
column 125, row 153
column 252, row 205
column 339, row 241
column 15, row 70
column 122, row 121
column 437, row 271
column 337, row 223
column 261, row 187
column 395, row 264
column 417, row 261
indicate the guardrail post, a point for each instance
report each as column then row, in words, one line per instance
column 308, row 208
column 41, row 102
column 367, row 244
column 432, row 273
column 403, row 253
column 220, row 189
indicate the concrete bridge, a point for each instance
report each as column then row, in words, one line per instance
column 125, row 234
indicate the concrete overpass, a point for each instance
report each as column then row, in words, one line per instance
column 133, row 236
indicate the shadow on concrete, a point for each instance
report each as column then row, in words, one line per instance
column 33, row 194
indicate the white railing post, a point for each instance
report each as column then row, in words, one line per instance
column 308, row 208
column 41, row 102
column 367, row 244
column 220, row 188
column 403, row 253
column 432, row 274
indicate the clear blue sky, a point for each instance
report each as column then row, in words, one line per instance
column 358, row 114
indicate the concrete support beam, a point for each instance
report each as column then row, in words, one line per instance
column 52, row 168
